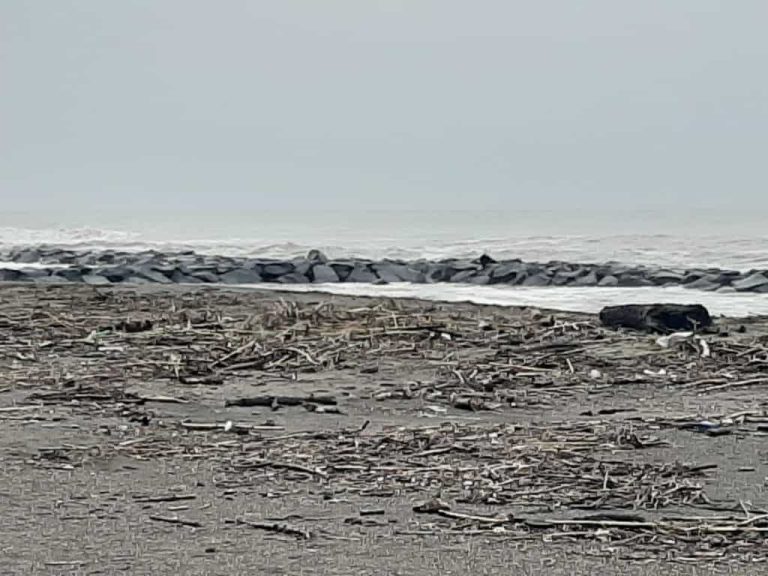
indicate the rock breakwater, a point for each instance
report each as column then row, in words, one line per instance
column 51, row 264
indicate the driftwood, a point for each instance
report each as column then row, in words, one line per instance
column 275, row 401
column 657, row 317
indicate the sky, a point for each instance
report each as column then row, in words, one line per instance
column 383, row 104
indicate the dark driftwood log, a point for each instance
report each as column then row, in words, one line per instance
column 275, row 401
column 657, row 317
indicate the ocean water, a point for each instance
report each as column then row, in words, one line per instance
column 717, row 238
column 729, row 239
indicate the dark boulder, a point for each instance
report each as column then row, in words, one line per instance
column 317, row 257
column 589, row 279
column 480, row 279
column 71, row 274
column 396, row 272
column 362, row 273
column 324, row 274
column 204, row 275
column 10, row 275
column 484, row 261
column 439, row 273
column 342, row 268
column 277, row 269
column 755, row 282
column 633, row 280
column 666, row 277
column 507, row 272
column 385, row 272
column 255, row 265
column 710, row 282
column 567, row 275
column 107, row 257
column 136, row 280
column 26, row 255
column 150, row 274
column 114, row 274
column 180, row 277
column 293, row 278
column 609, row 281
column 657, row 317
column 537, row 279
column 95, row 279
column 464, row 276
column 241, row 276
column 302, row 267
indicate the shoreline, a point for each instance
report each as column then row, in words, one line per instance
column 320, row 428
column 51, row 264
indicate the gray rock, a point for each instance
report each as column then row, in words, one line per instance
column 277, row 269
column 461, row 265
column 343, row 269
column 34, row 274
column 538, row 279
column 224, row 267
column 751, row 283
column 205, row 276
column 151, row 274
column 317, row 257
column 361, row 273
column 590, row 279
column 179, row 277
column 324, row 274
column 137, row 280
column 241, row 276
column 302, row 267
column 26, row 255
column 439, row 273
column 95, row 279
column 385, row 273
column 663, row 277
column 566, row 276
column 609, row 282
column 71, row 274
column 480, row 280
column 114, row 274
column 401, row 273
column 255, row 265
column 464, row 276
column 633, row 281
column 107, row 257
column 709, row 282
column 484, row 261
column 726, row 290
column 49, row 280
column 7, row 275
column 293, row 278
column 507, row 272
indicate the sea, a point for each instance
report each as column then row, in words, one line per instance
column 675, row 239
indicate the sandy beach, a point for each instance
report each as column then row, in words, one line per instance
column 181, row 430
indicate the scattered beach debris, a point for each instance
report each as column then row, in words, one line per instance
column 476, row 463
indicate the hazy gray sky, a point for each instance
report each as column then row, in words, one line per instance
column 383, row 104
